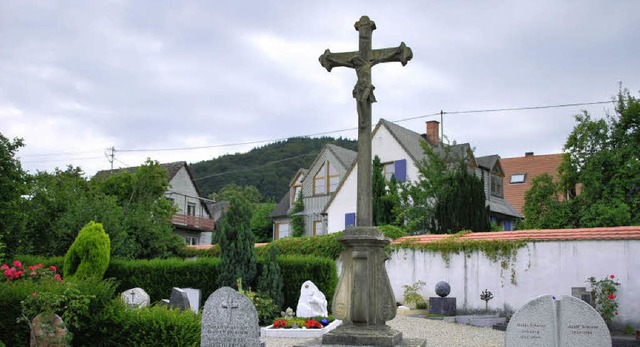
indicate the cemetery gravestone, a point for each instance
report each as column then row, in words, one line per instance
column 135, row 297
column 441, row 304
column 194, row 298
column 312, row 301
column 547, row 321
column 180, row 299
column 229, row 319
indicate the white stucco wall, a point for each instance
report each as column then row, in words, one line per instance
column 185, row 192
column 343, row 202
column 542, row 268
column 388, row 149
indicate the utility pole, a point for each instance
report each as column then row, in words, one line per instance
column 110, row 153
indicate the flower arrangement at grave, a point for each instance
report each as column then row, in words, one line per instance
column 302, row 322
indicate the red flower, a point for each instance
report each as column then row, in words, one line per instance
column 58, row 277
column 612, row 296
column 616, row 313
column 17, row 264
column 34, row 294
column 612, row 276
column 280, row 323
column 52, row 268
column 312, row 324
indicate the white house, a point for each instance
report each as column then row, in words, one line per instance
column 400, row 150
column 317, row 185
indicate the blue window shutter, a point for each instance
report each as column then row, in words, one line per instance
column 349, row 220
column 401, row 170
column 507, row 225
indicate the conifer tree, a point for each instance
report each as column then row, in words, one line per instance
column 377, row 191
column 270, row 281
column 297, row 218
column 236, row 242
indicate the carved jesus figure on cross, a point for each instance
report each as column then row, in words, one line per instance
column 362, row 61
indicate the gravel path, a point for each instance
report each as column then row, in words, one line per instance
column 437, row 333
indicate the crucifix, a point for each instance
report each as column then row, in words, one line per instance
column 230, row 304
column 362, row 61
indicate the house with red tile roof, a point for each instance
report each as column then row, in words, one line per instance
column 520, row 171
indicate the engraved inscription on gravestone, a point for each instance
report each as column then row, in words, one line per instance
column 547, row 321
column 229, row 319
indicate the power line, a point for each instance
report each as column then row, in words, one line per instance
column 530, row 107
column 253, row 168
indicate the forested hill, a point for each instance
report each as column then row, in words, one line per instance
column 269, row 168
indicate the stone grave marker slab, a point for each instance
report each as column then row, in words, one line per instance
column 194, row 298
column 229, row 319
column 180, row 299
column 135, row 297
column 548, row 321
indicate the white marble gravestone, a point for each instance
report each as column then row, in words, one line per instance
column 312, row 301
column 135, row 297
column 550, row 321
column 229, row 319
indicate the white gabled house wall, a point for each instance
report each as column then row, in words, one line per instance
column 385, row 146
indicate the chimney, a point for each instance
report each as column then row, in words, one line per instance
column 433, row 132
column 528, row 154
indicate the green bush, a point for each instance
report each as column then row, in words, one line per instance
column 190, row 252
column 12, row 293
column 391, row 231
column 270, row 280
column 89, row 254
column 158, row 276
column 117, row 325
column 319, row 246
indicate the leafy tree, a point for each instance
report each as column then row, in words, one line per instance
column 146, row 213
column 237, row 245
column 247, row 192
column 13, row 184
column 271, row 281
column 461, row 204
column 543, row 208
column 261, row 224
column 602, row 157
column 297, row 218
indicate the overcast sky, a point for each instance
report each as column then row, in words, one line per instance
column 79, row 77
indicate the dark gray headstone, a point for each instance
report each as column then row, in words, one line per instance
column 194, row 298
column 179, row 299
column 547, row 321
column 443, row 289
column 444, row 306
column 229, row 319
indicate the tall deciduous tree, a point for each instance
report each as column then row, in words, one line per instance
column 13, row 182
column 236, row 242
column 261, row 224
column 602, row 157
column 247, row 192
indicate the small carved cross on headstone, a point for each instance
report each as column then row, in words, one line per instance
column 230, row 304
column 133, row 294
column 362, row 61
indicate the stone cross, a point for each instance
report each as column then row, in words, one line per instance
column 362, row 61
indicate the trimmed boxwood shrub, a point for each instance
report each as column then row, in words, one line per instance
column 89, row 254
column 318, row 246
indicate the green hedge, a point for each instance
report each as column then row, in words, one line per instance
column 298, row 269
column 154, row 326
column 158, row 276
column 319, row 246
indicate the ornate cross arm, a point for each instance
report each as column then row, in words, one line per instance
column 401, row 54
column 330, row 60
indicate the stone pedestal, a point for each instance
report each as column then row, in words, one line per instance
column 444, row 306
column 364, row 300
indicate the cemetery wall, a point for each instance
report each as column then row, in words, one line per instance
column 551, row 267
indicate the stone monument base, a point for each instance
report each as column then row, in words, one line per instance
column 404, row 343
column 444, row 306
column 353, row 335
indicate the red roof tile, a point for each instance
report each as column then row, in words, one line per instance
column 611, row 233
column 532, row 166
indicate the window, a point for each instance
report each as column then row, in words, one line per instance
column 191, row 209
column 496, row 185
column 517, row 178
column 396, row 168
column 191, row 240
column 349, row 220
column 388, row 170
column 326, row 180
column 282, row 230
column 318, row 228
column 296, row 193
